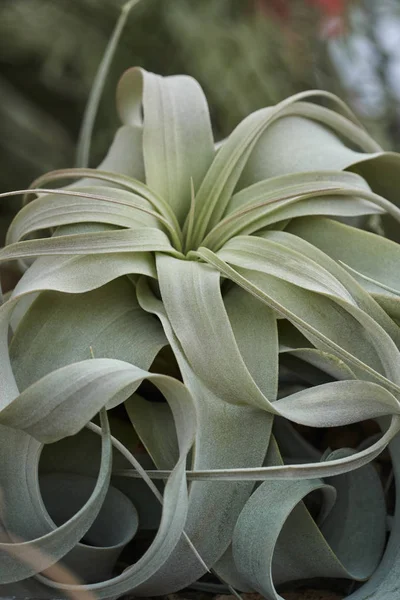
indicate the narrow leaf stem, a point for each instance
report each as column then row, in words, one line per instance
column 190, row 222
column 85, row 134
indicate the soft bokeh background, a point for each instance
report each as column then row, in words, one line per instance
column 245, row 53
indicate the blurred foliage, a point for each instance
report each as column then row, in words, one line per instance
column 246, row 60
column 245, row 53
column 49, row 55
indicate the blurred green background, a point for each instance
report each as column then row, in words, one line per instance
column 245, row 53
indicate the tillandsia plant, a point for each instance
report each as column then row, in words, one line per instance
column 236, row 279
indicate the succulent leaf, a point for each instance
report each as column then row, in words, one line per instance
column 238, row 282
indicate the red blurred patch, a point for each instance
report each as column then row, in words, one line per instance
column 332, row 8
column 277, row 8
column 332, row 23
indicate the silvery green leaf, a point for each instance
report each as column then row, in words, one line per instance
column 177, row 136
column 219, row 443
column 275, row 553
column 233, row 156
column 46, row 543
column 352, row 248
column 68, row 323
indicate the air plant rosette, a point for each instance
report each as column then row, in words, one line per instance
column 208, row 270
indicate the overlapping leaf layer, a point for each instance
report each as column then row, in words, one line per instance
column 244, row 283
